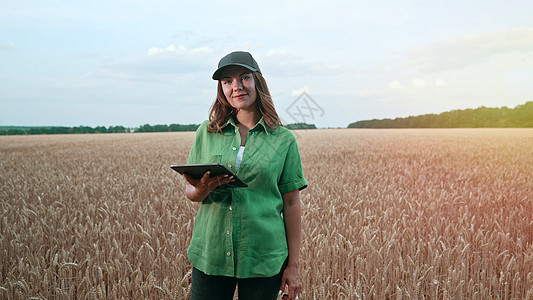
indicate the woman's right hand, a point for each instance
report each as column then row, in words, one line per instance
column 198, row 189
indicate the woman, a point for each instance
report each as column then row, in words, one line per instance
column 245, row 237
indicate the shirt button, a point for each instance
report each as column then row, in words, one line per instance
column 234, row 148
column 227, row 232
column 229, row 165
column 230, row 208
column 228, row 253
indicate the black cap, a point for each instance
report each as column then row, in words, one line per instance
column 237, row 58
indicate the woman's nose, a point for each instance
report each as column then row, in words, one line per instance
column 237, row 85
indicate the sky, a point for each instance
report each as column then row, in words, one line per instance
column 329, row 63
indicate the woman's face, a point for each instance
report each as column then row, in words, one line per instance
column 238, row 86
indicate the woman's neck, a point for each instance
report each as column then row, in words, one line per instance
column 248, row 119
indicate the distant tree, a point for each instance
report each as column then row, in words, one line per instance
column 38, row 130
column 116, row 129
column 58, row 130
column 520, row 116
column 160, row 128
column 20, row 130
column 100, row 129
column 300, row 126
column 180, row 127
column 146, row 128
column 15, row 132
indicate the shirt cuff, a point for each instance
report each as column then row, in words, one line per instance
column 291, row 186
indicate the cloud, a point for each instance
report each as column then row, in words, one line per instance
column 416, row 84
column 181, row 50
column 279, row 58
column 298, row 92
column 6, row 47
column 160, row 70
column 470, row 50
column 327, row 69
column 419, row 83
column 278, row 54
column 280, row 62
column 162, row 64
column 395, row 85
column 440, row 83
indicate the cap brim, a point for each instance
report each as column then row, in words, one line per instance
column 218, row 72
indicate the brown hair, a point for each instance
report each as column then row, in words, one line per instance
column 221, row 110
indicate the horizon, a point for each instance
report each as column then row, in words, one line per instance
column 329, row 127
column 103, row 64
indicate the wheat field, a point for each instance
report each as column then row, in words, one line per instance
column 388, row 214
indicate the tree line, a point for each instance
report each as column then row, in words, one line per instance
column 14, row 130
column 166, row 128
column 482, row 117
column 19, row 130
column 300, row 126
column 61, row 130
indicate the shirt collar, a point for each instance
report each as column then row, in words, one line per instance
column 261, row 125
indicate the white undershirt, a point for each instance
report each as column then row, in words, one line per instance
column 238, row 159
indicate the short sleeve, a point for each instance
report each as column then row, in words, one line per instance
column 195, row 155
column 292, row 176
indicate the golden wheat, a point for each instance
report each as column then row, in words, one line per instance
column 389, row 214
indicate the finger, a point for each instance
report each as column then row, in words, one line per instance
column 228, row 178
column 293, row 291
column 223, row 179
column 191, row 180
column 205, row 178
column 187, row 177
column 283, row 283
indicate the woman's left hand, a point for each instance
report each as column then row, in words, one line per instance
column 291, row 278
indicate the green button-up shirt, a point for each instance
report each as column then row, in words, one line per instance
column 239, row 232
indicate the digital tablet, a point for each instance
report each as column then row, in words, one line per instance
column 198, row 170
